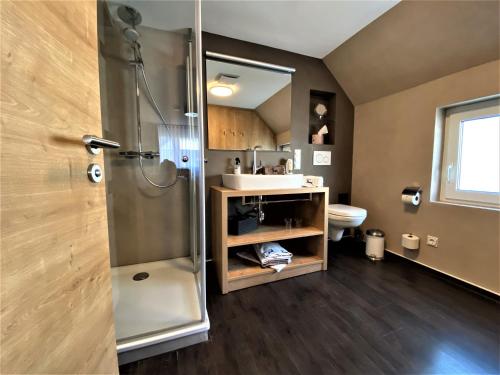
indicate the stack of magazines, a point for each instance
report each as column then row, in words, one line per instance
column 270, row 254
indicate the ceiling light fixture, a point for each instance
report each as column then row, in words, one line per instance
column 219, row 90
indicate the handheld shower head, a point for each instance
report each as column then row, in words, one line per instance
column 130, row 34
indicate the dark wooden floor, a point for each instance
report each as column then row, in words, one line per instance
column 391, row 317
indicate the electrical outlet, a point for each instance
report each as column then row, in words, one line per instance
column 432, row 241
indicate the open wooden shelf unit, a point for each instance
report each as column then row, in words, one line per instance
column 272, row 233
column 308, row 243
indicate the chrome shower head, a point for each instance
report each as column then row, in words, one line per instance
column 129, row 15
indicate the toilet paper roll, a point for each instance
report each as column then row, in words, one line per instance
column 410, row 241
column 413, row 199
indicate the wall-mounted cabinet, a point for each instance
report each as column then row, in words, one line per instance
column 307, row 242
column 321, row 113
column 238, row 129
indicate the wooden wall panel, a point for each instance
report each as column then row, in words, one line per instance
column 56, row 307
column 232, row 128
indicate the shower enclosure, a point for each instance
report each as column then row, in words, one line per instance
column 151, row 104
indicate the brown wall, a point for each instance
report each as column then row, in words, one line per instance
column 311, row 74
column 413, row 43
column 393, row 147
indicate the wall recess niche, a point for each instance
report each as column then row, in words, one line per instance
column 321, row 113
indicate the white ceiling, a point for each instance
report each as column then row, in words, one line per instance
column 253, row 87
column 308, row 27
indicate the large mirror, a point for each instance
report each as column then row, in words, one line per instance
column 248, row 106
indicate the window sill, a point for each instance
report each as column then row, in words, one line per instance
column 465, row 204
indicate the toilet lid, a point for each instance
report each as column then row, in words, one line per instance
column 345, row 210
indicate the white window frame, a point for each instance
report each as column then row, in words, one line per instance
column 449, row 191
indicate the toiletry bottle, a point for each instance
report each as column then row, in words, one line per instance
column 237, row 166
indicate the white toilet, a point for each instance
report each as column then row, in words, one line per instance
column 341, row 216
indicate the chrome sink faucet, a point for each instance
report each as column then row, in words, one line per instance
column 254, row 165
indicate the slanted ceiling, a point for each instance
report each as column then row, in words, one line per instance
column 413, row 43
column 277, row 110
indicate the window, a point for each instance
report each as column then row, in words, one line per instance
column 471, row 159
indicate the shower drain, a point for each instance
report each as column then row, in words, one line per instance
column 141, row 276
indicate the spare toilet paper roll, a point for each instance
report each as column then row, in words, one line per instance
column 410, row 241
column 413, row 199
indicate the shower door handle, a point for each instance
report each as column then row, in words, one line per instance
column 94, row 144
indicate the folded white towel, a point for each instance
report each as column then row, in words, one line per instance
column 272, row 253
column 278, row 267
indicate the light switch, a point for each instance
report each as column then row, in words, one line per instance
column 322, row 158
column 297, row 155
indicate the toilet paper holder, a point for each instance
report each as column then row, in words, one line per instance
column 410, row 241
column 411, row 195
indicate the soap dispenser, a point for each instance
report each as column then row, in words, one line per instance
column 237, row 166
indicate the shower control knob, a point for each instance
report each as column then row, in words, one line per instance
column 94, row 173
column 185, row 159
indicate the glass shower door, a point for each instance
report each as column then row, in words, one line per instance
column 151, row 105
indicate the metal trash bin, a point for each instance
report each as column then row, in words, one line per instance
column 375, row 244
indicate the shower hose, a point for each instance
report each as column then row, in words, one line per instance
column 139, row 67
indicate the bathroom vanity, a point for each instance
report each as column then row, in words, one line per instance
column 306, row 239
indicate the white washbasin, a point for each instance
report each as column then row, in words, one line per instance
column 259, row 181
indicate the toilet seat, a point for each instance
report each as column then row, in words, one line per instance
column 343, row 212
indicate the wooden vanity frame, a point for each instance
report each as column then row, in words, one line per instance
column 235, row 274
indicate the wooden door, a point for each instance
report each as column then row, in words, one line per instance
column 242, row 124
column 56, row 308
column 220, row 134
